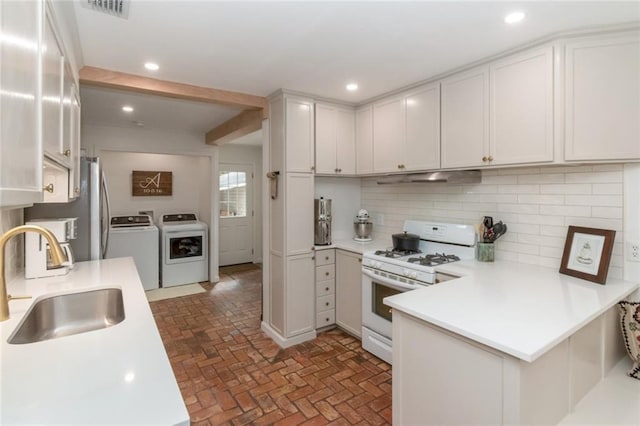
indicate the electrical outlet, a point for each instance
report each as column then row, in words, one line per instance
column 148, row 212
column 632, row 251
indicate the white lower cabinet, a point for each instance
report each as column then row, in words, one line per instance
column 300, row 300
column 349, row 292
column 325, row 288
column 602, row 98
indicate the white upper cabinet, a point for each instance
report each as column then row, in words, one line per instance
column 20, row 147
column 521, row 99
column 465, row 118
column 501, row 113
column 422, row 143
column 388, row 135
column 299, row 134
column 364, row 140
column 602, row 98
column 52, row 94
column 335, row 140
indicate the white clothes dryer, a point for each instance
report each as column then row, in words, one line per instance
column 136, row 236
column 184, row 257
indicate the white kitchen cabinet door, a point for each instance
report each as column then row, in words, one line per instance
column 74, row 170
column 299, row 135
column 300, row 295
column 422, row 146
column 521, row 102
column 602, row 98
column 299, row 213
column 465, row 119
column 326, row 139
column 349, row 292
column 20, row 97
column 364, row 140
column 52, row 94
column 388, row 135
column 345, row 141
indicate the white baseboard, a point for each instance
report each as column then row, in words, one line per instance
column 286, row 342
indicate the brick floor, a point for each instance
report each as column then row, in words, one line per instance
column 229, row 372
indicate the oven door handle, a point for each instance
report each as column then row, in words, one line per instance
column 391, row 283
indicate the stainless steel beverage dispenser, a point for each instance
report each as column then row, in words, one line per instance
column 322, row 221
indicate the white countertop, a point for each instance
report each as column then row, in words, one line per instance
column 118, row 375
column 358, row 246
column 519, row 309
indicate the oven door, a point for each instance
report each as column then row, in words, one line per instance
column 185, row 246
column 376, row 316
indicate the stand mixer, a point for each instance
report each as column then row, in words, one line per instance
column 362, row 226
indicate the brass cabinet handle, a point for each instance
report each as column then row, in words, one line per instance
column 490, row 158
column 401, row 166
column 67, row 153
column 484, row 159
column 49, row 188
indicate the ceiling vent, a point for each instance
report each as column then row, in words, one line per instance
column 119, row 8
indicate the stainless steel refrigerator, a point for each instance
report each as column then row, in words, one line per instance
column 91, row 208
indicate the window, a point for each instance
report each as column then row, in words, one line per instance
column 233, row 194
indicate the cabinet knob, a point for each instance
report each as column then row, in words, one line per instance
column 327, row 319
column 484, row 159
column 326, row 303
column 67, row 153
column 335, row 170
column 313, row 258
column 326, row 288
column 401, row 166
column 77, row 190
column 490, row 158
column 326, row 273
column 339, row 170
column 49, row 188
column 360, row 259
column 326, row 258
column 312, row 168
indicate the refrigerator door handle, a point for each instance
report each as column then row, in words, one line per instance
column 105, row 228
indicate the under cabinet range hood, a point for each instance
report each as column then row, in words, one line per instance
column 460, row 176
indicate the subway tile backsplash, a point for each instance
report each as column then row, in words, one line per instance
column 537, row 203
column 14, row 252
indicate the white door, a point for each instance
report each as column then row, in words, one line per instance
column 236, row 214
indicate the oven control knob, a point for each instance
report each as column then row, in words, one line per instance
column 378, row 265
column 414, row 275
column 406, row 272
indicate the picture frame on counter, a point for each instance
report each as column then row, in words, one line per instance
column 587, row 253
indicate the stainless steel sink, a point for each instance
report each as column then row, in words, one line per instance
column 68, row 314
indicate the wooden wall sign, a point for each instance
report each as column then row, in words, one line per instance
column 151, row 183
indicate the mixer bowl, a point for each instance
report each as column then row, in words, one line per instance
column 362, row 229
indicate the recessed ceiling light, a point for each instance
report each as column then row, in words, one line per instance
column 151, row 66
column 514, row 17
column 127, row 108
column 352, row 87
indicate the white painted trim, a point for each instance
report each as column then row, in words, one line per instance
column 266, row 200
column 631, row 224
column 287, row 342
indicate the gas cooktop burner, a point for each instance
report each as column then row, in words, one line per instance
column 396, row 253
column 434, row 259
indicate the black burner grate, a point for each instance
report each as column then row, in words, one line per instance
column 396, row 253
column 434, row 259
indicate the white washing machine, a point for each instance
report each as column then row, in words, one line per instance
column 184, row 257
column 136, row 236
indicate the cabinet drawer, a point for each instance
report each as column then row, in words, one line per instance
column 325, row 257
column 324, row 303
column 325, row 287
column 325, row 318
column 326, row 272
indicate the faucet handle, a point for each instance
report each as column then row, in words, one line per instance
column 10, row 297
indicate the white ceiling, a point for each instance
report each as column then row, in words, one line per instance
column 317, row 47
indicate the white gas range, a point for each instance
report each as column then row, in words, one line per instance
column 388, row 272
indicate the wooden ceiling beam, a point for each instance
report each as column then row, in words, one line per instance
column 242, row 124
column 100, row 77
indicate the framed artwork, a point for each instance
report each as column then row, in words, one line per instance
column 587, row 253
column 145, row 184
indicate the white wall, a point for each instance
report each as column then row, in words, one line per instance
column 249, row 155
column 538, row 204
column 344, row 194
column 190, row 174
